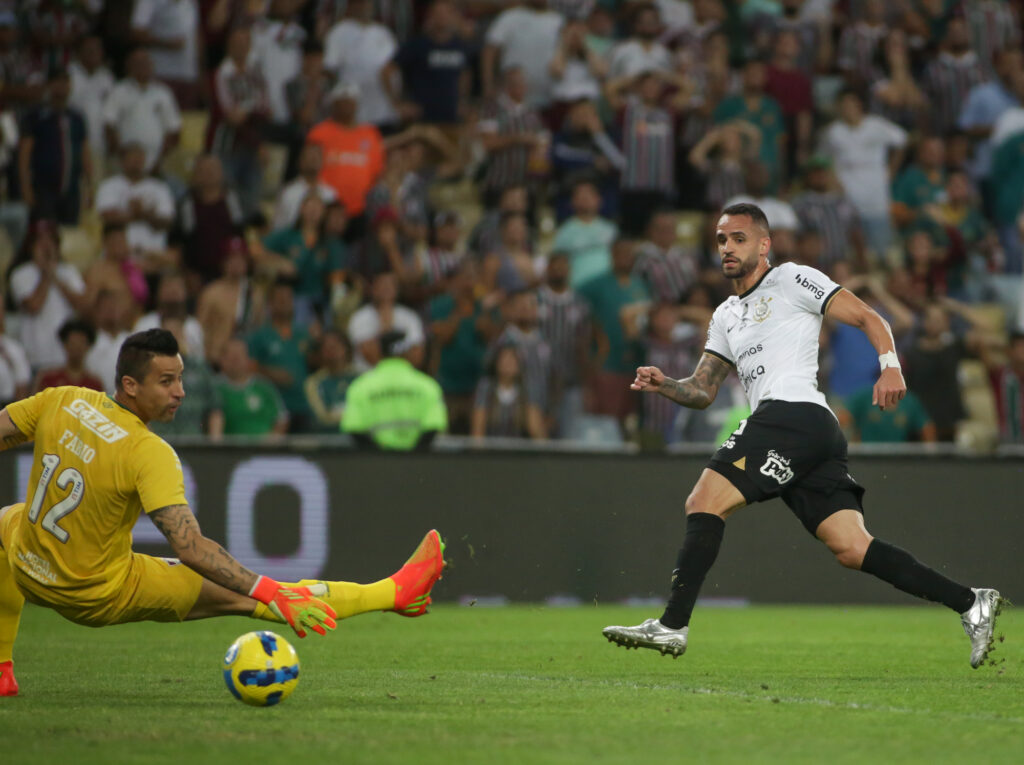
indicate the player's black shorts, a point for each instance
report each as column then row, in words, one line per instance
column 793, row 450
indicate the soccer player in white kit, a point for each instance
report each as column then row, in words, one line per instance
column 791, row 446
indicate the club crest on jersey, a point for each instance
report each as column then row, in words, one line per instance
column 777, row 467
column 95, row 421
column 761, row 310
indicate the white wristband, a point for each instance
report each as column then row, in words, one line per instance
column 889, row 359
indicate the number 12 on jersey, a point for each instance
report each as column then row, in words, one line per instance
column 68, row 477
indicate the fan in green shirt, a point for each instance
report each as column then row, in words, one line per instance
column 279, row 347
column 908, row 421
column 757, row 107
column 394, row 405
column 607, row 296
column 327, row 388
column 251, row 404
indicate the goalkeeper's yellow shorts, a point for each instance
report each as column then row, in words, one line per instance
column 147, row 589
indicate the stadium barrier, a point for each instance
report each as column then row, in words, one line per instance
column 574, row 526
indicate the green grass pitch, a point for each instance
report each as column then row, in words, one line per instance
column 528, row 685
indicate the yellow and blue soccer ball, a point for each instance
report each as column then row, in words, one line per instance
column 261, row 669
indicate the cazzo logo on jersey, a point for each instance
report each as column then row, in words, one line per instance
column 777, row 467
column 815, row 289
column 95, row 421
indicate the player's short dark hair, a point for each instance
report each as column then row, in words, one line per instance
column 139, row 349
column 71, row 326
column 754, row 212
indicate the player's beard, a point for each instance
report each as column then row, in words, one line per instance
column 744, row 267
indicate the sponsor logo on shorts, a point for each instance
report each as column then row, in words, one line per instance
column 729, row 444
column 777, row 467
column 37, row 568
column 95, row 421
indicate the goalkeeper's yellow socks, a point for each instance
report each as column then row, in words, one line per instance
column 347, row 598
column 11, row 602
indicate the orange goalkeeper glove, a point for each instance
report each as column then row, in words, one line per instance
column 296, row 605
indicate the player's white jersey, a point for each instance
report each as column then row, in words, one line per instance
column 770, row 334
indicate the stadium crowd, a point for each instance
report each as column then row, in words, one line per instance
column 516, row 198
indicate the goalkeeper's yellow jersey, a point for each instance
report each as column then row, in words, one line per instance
column 96, row 467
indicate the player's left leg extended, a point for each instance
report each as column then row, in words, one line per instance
column 406, row 592
column 845, row 535
column 11, row 603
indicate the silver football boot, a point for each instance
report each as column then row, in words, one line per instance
column 651, row 634
column 980, row 622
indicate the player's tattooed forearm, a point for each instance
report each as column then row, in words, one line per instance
column 699, row 389
column 179, row 525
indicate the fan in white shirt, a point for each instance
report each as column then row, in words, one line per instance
column 142, row 203
column 110, row 334
column 286, row 212
column 142, row 111
column 91, row 83
column 526, row 38
column 356, row 50
column 15, row 373
column 170, row 28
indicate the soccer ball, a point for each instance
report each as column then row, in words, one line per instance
column 261, row 669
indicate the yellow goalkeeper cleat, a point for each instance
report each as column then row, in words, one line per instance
column 415, row 579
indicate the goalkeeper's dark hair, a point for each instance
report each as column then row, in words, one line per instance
column 139, row 349
column 755, row 213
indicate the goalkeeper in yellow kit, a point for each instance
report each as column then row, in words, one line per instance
column 96, row 467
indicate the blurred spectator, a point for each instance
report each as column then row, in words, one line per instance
column 648, row 144
column 226, row 304
column 353, row 152
column 993, row 26
column 667, row 269
column 394, row 405
column 426, row 273
column 502, row 408
column 244, row 108
column 279, row 348
column 384, row 314
column 252, row 404
column 111, row 332
column 791, row 88
column 896, row 96
column 277, row 44
column 855, row 56
column 961, row 211
column 780, row 214
column 22, row 80
column 15, row 372
column 755, row 106
column 460, row 326
column 583, row 151
column 209, row 218
column 306, row 94
column 286, row 213
column 823, row 206
column 169, row 29
column 949, row 76
column 14, row 214
column 510, row 130
column 91, row 84
column 327, row 387
column 521, row 331
column 642, row 52
column 563, row 317
column 304, row 253
column 201, row 411
column 864, row 149
column 1007, row 189
column 172, row 306
column 486, row 235
column 356, row 51
column 907, row 421
column 732, row 145
column 617, row 357
column 674, row 348
column 522, row 38
column 921, row 184
column 1008, row 386
column 512, row 266
column 853, row 362
column 76, row 337
column 140, row 110
column 115, row 271
column 576, row 71
column 53, row 155
column 985, row 104
column 47, row 292
column 143, row 204
column 434, row 68
column 586, row 238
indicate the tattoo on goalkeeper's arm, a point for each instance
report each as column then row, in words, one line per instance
column 699, row 389
column 203, row 555
column 10, row 436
